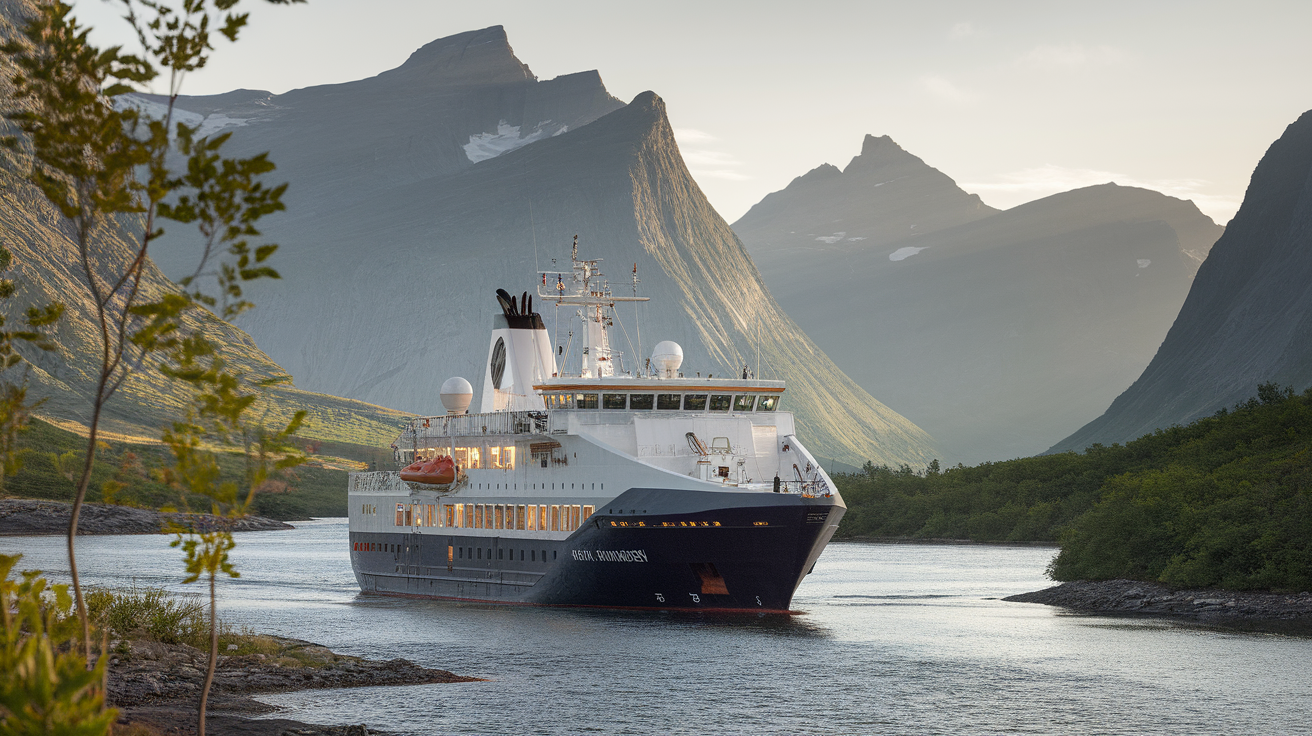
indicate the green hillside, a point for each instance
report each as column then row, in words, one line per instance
column 316, row 489
column 1225, row 501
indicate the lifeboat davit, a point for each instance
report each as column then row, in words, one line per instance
column 438, row 470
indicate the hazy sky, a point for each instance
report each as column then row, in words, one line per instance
column 1014, row 100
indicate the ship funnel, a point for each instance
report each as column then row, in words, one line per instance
column 666, row 358
column 456, row 395
column 520, row 354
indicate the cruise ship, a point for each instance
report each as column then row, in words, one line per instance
column 639, row 488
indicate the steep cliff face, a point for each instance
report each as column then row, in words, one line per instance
column 46, row 268
column 994, row 331
column 1248, row 317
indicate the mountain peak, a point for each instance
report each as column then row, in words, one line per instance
column 473, row 57
column 881, row 152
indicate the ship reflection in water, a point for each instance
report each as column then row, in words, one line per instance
column 892, row 639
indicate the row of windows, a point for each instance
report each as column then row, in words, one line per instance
column 473, row 458
column 467, row 553
column 543, row 518
column 662, row 402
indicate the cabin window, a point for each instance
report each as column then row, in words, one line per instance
column 450, row 512
column 641, row 402
column 519, row 518
column 501, row 554
column 532, row 521
column 469, row 457
column 502, row 458
column 500, row 519
column 743, row 402
column 694, row 402
column 542, row 518
column 613, row 401
column 480, row 553
column 586, row 401
column 461, row 554
column 767, row 403
column 720, row 402
column 667, row 401
column 573, row 518
column 431, row 517
column 478, row 516
column 400, row 514
column 532, row 555
column 587, row 511
column 555, row 518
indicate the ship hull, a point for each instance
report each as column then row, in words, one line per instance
column 649, row 548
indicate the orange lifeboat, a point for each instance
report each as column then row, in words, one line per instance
column 438, row 470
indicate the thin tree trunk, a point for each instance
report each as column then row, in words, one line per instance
column 82, row 484
column 214, row 656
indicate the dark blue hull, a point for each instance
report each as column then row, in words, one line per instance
column 649, row 549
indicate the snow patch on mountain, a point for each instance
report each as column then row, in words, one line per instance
column 831, row 239
column 484, row 146
column 901, row 254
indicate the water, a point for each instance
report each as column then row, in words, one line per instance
column 894, row 639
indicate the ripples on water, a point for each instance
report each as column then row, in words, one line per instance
column 893, row 639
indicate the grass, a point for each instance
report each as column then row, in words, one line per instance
column 127, row 474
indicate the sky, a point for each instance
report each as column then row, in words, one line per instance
column 1013, row 100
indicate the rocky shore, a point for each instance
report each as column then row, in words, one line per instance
column 31, row 517
column 1264, row 611
column 156, row 687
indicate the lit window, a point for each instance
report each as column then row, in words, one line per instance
column 519, row 519
column 542, row 518
column 743, row 402
column 641, row 402
column 400, row 514
column 555, row 518
column 694, row 402
column 587, row 511
column 667, row 401
column 767, row 403
column 508, row 457
column 613, row 401
column 478, row 516
column 450, row 514
column 720, row 402
column 532, row 518
column 586, row 401
column 573, row 518
column 500, row 517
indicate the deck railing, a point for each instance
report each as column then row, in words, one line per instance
column 498, row 423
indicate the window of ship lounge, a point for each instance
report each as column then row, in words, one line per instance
column 585, row 401
column 721, row 402
column 667, row 401
column 694, row 402
column 641, row 402
column 613, row 401
column 767, row 403
column 501, row 457
column 743, row 402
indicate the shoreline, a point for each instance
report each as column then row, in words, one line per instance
column 945, row 540
column 35, row 517
column 1259, row 611
column 157, row 686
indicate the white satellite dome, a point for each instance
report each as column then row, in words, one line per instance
column 456, row 394
column 666, row 358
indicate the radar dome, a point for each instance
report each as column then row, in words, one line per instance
column 666, row 358
column 456, row 394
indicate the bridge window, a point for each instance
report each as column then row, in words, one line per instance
column 743, row 402
column 720, row 402
column 667, row 401
column 767, row 403
column 694, row 402
column 586, row 401
column 641, row 402
column 613, row 401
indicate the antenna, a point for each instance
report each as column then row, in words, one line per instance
column 575, row 253
column 534, row 228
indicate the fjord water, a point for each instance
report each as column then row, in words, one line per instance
column 892, row 639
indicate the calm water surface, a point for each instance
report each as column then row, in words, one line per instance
column 899, row 639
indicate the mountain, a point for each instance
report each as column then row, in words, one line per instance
column 885, row 194
column 44, row 270
column 999, row 332
column 1247, row 319
column 390, row 269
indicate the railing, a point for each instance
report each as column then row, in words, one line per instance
column 817, row 488
column 477, row 425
